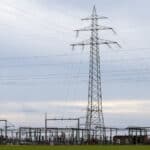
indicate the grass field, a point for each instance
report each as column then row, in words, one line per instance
column 74, row 147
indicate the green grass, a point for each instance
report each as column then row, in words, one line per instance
column 74, row 147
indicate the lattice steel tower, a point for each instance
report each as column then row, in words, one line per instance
column 94, row 116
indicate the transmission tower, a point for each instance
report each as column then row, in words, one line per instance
column 94, row 116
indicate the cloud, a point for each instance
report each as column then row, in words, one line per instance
column 43, row 27
column 25, row 24
column 33, row 112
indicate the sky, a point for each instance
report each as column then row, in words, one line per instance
column 39, row 71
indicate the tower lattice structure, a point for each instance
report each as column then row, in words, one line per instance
column 94, row 115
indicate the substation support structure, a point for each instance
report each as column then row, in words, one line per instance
column 3, row 132
column 138, row 135
column 74, row 136
column 6, row 133
column 31, row 135
column 5, row 127
column 94, row 116
column 110, row 133
column 77, row 130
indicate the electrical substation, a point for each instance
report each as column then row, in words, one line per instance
column 94, row 130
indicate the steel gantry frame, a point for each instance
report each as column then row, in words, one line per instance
column 62, row 119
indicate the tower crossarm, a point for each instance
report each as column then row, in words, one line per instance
column 98, row 27
column 95, row 17
column 108, row 43
column 105, row 28
column 82, row 44
column 100, row 42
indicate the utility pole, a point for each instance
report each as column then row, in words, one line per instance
column 94, row 116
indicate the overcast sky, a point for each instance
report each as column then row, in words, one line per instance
column 40, row 73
